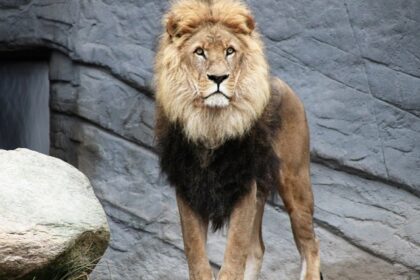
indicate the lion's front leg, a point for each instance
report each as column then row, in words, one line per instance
column 239, row 237
column 194, row 233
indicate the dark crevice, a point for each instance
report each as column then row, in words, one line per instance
column 333, row 129
column 292, row 58
column 142, row 230
column 54, row 44
column 369, row 88
column 287, row 38
column 32, row 44
column 396, row 106
column 331, row 45
column 154, row 235
column 147, row 91
column 109, row 204
column 68, row 25
column 50, row 45
column 25, row 54
column 335, row 231
column 367, row 250
column 136, row 142
column 374, row 61
column 144, row 90
column 336, row 165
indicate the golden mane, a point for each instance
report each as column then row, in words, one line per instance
column 176, row 87
column 187, row 15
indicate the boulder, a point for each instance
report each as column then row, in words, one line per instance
column 52, row 226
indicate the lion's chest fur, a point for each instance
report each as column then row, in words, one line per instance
column 213, row 180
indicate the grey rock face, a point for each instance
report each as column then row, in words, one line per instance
column 346, row 60
column 355, row 65
column 51, row 223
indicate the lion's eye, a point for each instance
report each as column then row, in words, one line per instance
column 230, row 51
column 199, row 51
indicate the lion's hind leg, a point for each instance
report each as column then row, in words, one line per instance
column 295, row 187
column 298, row 200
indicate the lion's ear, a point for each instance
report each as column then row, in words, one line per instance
column 250, row 24
column 172, row 26
column 176, row 26
column 242, row 23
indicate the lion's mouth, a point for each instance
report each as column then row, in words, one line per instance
column 217, row 99
column 217, row 92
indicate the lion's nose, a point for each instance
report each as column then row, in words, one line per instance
column 217, row 79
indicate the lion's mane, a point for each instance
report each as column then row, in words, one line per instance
column 176, row 89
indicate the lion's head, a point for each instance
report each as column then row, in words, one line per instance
column 211, row 73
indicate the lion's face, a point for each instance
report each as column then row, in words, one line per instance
column 211, row 73
column 213, row 56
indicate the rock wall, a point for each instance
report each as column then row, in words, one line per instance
column 356, row 66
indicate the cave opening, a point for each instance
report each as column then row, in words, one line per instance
column 24, row 100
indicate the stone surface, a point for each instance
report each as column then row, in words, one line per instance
column 340, row 58
column 356, row 66
column 375, row 216
column 51, row 222
column 103, row 100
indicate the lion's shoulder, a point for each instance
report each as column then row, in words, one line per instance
column 289, row 102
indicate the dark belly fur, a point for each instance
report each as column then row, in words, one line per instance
column 212, row 181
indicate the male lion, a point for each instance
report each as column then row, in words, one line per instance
column 227, row 134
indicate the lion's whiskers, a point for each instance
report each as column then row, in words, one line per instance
column 236, row 83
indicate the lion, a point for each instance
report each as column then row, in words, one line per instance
column 227, row 133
